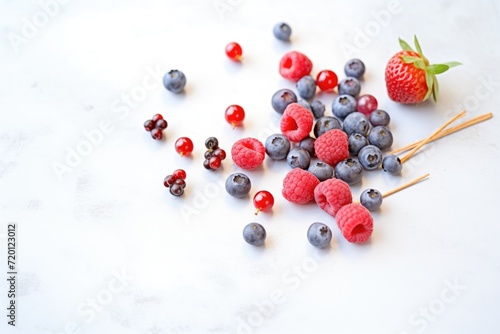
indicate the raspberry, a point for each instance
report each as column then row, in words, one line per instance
column 298, row 186
column 294, row 65
column 248, row 153
column 332, row 147
column 296, row 122
column 355, row 222
column 332, row 194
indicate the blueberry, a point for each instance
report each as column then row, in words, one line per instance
column 381, row 137
column 321, row 170
column 298, row 158
column 277, row 146
column 306, row 87
column 305, row 104
column 349, row 171
column 326, row 123
column 371, row 199
column 174, row 81
column 356, row 122
column 349, row 86
column 354, row 68
column 370, row 157
column 319, row 235
column 356, row 142
column 282, row 31
column 308, row 145
column 317, row 108
column 380, row 117
column 238, row 185
column 254, row 234
column 392, row 164
column 282, row 98
column 343, row 105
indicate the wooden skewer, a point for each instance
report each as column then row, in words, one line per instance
column 472, row 121
column 404, row 186
column 425, row 141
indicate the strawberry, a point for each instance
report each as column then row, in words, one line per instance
column 409, row 77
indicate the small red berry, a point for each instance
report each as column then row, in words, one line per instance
column 149, row 125
column 327, row 80
column 161, row 124
column 235, row 115
column 220, row 153
column 263, row 201
column 234, row 51
column 214, row 162
column 367, row 104
column 181, row 183
column 157, row 117
column 169, row 180
column 184, row 146
column 180, row 174
column 156, row 134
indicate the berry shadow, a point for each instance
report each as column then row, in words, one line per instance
column 281, row 47
column 177, row 99
column 234, row 66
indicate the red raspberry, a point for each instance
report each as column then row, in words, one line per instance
column 298, row 186
column 294, row 65
column 332, row 194
column 296, row 122
column 355, row 222
column 248, row 153
column 332, row 147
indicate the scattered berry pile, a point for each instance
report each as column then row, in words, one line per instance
column 326, row 153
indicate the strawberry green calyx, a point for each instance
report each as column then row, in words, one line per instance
column 422, row 62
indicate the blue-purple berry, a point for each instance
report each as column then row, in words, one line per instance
column 380, row 117
column 371, row 199
column 282, row 98
column 317, row 108
column 277, row 146
column 308, row 145
column 356, row 142
column 306, row 87
column 392, row 164
column 370, row 157
column 350, row 86
column 350, row 171
column 174, row 81
column 343, row 105
column 354, row 68
column 326, row 123
column 381, row 137
column 238, row 185
column 319, row 235
column 321, row 170
column 254, row 234
column 282, row 31
column 298, row 158
column 356, row 122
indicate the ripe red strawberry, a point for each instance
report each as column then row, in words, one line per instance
column 409, row 77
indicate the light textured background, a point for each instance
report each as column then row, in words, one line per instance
column 192, row 272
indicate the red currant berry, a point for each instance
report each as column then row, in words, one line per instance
column 367, row 104
column 235, row 115
column 327, row 80
column 156, row 134
column 169, row 180
column 263, row 201
column 220, row 153
column 161, row 124
column 214, row 162
column 180, row 174
column 149, row 125
column 184, row 146
column 180, row 183
column 157, row 117
column 234, row 51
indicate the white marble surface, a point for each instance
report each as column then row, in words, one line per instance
column 104, row 248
